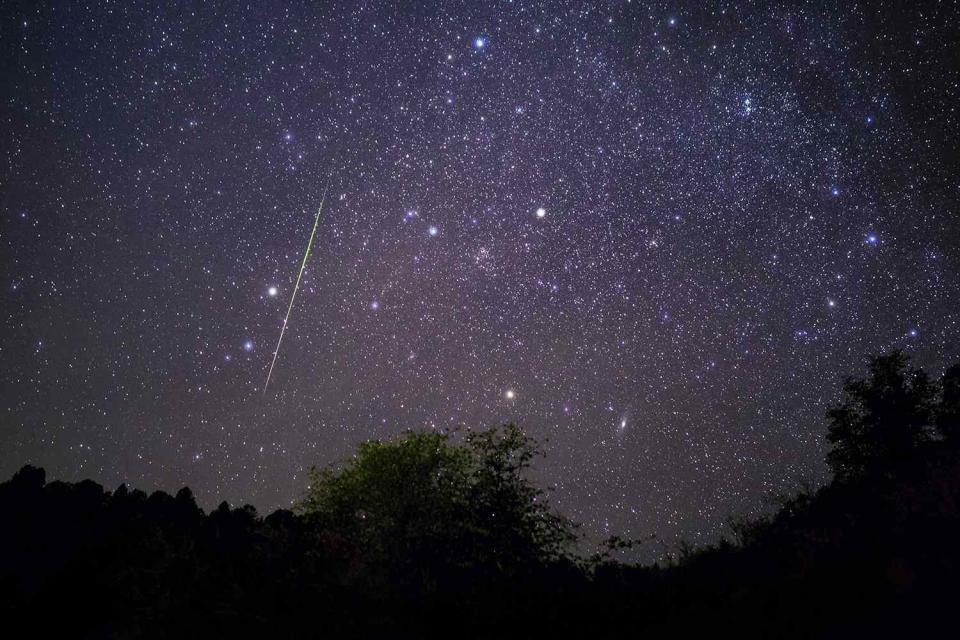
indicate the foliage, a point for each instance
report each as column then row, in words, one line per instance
column 424, row 508
column 883, row 421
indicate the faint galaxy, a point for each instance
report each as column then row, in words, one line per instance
column 656, row 235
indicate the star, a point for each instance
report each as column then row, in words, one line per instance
column 709, row 211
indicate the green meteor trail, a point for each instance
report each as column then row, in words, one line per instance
column 296, row 287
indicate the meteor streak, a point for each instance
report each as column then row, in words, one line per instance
column 293, row 296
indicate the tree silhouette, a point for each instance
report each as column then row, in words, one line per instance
column 427, row 510
column 883, row 420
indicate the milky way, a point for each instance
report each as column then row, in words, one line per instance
column 656, row 235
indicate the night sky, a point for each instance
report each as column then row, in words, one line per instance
column 658, row 236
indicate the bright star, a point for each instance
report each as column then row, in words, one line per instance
column 510, row 394
column 433, row 230
column 541, row 212
column 272, row 291
column 248, row 345
column 375, row 305
column 480, row 43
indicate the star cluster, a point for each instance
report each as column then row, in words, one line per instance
column 656, row 235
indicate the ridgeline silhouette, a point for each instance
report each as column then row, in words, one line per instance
column 432, row 536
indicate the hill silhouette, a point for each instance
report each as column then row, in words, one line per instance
column 436, row 536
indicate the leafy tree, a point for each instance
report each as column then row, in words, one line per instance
column 428, row 510
column 883, row 420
